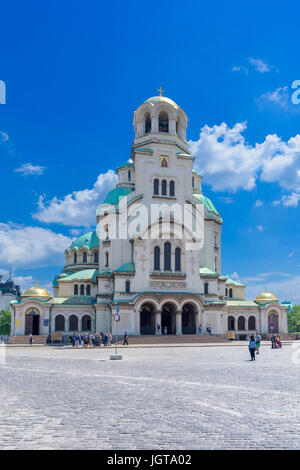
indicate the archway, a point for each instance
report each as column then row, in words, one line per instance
column 241, row 323
column 251, row 323
column 168, row 319
column 59, row 323
column 32, row 321
column 273, row 322
column 147, row 319
column 73, row 323
column 86, row 323
column 188, row 319
column 231, row 323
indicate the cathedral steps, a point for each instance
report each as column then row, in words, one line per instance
column 173, row 339
column 37, row 339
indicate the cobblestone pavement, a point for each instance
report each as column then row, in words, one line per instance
column 162, row 398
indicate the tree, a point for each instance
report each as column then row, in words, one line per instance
column 294, row 319
column 5, row 320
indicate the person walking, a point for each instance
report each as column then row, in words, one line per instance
column 251, row 340
column 125, row 339
column 257, row 342
column 73, row 340
column 273, row 342
column 165, row 330
column 30, row 339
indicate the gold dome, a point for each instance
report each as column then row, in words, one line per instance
column 265, row 297
column 36, row 292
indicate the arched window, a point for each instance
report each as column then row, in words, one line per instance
column 178, row 259
column 75, row 258
column 193, row 181
column 73, row 323
column 96, row 257
column 129, row 175
column 84, row 257
column 156, row 258
column 86, row 323
column 82, row 289
column 172, row 188
column 75, row 289
column 231, row 322
column 164, row 187
column 106, row 260
column 88, row 290
column 127, row 287
column 167, row 256
column 163, row 122
column 241, row 323
column 156, row 187
column 230, row 293
column 251, row 323
column 206, row 288
column 147, row 123
column 226, row 291
column 59, row 323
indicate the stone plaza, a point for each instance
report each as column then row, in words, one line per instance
column 209, row 397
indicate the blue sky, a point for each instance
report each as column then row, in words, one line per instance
column 75, row 72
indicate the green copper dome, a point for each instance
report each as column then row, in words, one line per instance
column 89, row 240
column 206, row 202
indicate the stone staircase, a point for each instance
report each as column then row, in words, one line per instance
column 37, row 339
column 173, row 339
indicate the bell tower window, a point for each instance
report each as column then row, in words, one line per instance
column 156, row 187
column 172, row 188
column 147, row 124
column 164, row 188
column 163, row 122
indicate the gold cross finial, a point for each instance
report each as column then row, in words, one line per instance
column 36, row 283
column 160, row 91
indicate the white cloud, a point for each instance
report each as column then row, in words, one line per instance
column 6, row 144
column 260, row 65
column 29, row 169
column 279, row 97
column 287, row 288
column 226, row 199
column 229, row 163
column 261, row 228
column 4, row 137
column 31, row 247
column 240, row 68
column 79, row 208
column 258, row 203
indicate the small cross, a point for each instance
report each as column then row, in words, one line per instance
column 160, row 91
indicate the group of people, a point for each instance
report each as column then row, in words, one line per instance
column 91, row 340
column 94, row 340
column 276, row 342
column 255, row 340
column 254, row 345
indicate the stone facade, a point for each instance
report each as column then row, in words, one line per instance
column 156, row 254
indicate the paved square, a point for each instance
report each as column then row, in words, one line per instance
column 156, row 398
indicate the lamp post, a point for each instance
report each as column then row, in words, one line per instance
column 116, row 356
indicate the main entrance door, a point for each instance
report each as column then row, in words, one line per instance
column 168, row 319
column 147, row 320
column 32, row 322
column 188, row 320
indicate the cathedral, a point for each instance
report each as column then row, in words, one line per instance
column 155, row 257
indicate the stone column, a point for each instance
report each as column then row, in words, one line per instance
column 138, row 322
column 197, row 320
column 204, row 322
column 178, row 322
column 158, row 322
